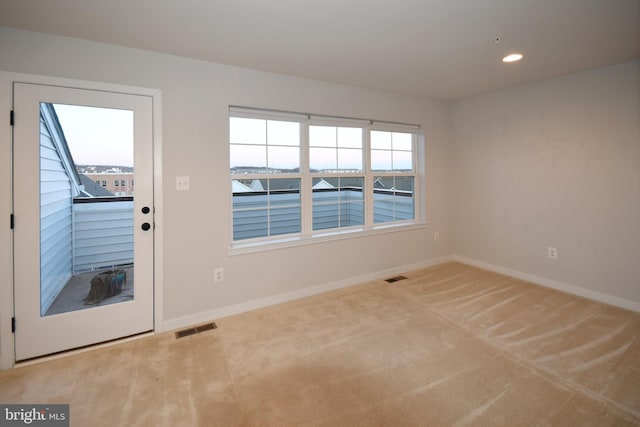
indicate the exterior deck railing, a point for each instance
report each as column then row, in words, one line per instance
column 255, row 212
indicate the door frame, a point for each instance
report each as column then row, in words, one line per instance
column 7, row 268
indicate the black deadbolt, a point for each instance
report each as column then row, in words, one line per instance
column 146, row 226
column 146, row 210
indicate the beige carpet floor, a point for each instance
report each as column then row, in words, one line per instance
column 450, row 346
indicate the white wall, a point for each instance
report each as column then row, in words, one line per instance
column 555, row 163
column 197, row 223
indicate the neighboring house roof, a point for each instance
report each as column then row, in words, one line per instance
column 378, row 183
column 256, row 185
column 92, row 188
column 238, row 187
column 391, row 183
column 322, row 184
column 276, row 183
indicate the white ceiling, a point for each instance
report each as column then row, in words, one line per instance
column 441, row 49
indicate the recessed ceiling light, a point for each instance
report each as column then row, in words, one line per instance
column 513, row 57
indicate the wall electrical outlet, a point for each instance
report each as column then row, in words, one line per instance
column 218, row 275
column 436, row 236
column 552, row 253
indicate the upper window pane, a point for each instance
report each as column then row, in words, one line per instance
column 247, row 131
column 322, row 159
column 381, row 160
column 349, row 160
column 391, row 151
column 350, row 137
column 248, row 158
column 402, row 141
column 283, row 133
column 335, row 149
column 283, row 159
column 264, row 146
column 380, row 140
column 402, row 161
column 322, row 136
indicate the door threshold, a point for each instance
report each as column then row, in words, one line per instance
column 79, row 350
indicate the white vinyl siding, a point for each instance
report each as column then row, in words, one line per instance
column 55, row 221
column 390, row 206
column 103, row 235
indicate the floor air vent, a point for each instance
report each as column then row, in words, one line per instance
column 395, row 279
column 196, row 330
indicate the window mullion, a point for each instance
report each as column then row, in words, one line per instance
column 306, row 196
column 418, row 213
column 266, row 148
column 338, row 169
column 268, row 207
column 368, row 179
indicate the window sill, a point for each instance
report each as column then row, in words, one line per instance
column 241, row 248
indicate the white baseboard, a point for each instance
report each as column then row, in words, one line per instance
column 217, row 313
column 549, row 283
column 230, row 310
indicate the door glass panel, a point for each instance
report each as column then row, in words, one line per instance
column 86, row 207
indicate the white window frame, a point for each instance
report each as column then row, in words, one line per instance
column 307, row 235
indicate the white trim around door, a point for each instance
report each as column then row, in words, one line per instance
column 7, row 268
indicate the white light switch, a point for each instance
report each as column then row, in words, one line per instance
column 182, row 183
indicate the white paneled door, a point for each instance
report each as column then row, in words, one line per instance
column 83, row 217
